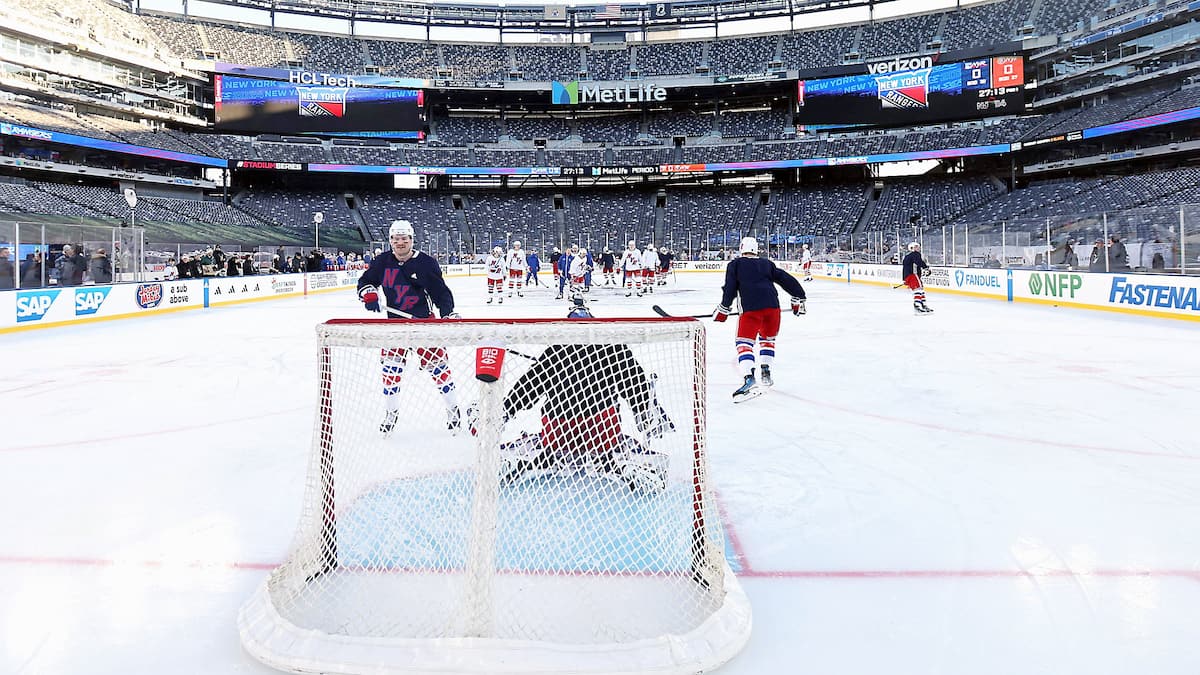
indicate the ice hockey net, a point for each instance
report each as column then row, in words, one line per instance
column 430, row 550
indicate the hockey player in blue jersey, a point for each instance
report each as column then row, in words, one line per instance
column 578, row 389
column 409, row 280
column 753, row 279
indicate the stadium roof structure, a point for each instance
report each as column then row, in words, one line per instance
column 565, row 17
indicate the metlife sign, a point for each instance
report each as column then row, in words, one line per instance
column 575, row 93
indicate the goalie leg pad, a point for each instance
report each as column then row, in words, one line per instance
column 523, row 458
column 642, row 469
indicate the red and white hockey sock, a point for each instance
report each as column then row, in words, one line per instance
column 745, row 355
column 766, row 350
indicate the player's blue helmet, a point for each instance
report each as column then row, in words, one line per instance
column 579, row 310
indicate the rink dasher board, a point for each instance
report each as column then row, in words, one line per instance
column 1152, row 295
column 59, row 306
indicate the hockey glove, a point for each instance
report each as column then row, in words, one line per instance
column 721, row 313
column 798, row 307
column 370, row 297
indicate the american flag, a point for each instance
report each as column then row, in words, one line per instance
column 608, row 12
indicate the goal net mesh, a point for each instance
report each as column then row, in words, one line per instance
column 558, row 519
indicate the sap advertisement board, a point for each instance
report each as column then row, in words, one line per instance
column 43, row 306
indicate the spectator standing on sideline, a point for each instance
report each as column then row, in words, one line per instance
column 1096, row 261
column 70, row 266
column 33, row 273
column 232, row 267
column 7, row 274
column 248, row 267
column 282, row 256
column 170, row 270
column 218, row 257
column 1118, row 257
column 100, row 268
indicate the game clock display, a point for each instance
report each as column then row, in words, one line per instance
column 977, row 88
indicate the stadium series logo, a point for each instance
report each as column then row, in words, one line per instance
column 322, row 101
column 909, row 89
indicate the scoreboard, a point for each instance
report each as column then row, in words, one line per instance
column 962, row 90
column 254, row 105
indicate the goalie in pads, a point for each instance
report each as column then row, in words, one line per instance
column 580, row 387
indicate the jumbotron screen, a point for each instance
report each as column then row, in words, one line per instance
column 978, row 88
column 272, row 106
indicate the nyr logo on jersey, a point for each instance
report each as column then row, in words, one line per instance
column 88, row 301
column 407, row 297
column 149, row 295
column 33, row 305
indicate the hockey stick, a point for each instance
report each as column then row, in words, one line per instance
column 662, row 312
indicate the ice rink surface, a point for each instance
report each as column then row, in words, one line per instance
column 994, row 489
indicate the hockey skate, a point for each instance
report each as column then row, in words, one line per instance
column 389, row 423
column 920, row 308
column 501, row 300
column 520, row 294
column 490, row 298
column 748, row 390
column 558, row 297
column 766, row 376
column 453, row 420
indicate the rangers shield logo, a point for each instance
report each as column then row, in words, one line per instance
column 322, row 101
column 909, row 89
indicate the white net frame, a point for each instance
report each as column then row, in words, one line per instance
column 430, row 551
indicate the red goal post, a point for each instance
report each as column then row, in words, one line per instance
column 430, row 549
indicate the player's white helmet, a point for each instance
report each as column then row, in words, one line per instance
column 749, row 246
column 805, row 245
column 916, row 245
column 632, row 244
column 516, row 244
column 401, row 228
column 497, row 251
